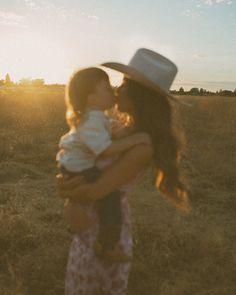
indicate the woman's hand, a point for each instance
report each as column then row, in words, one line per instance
column 67, row 185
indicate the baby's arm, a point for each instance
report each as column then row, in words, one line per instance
column 123, row 144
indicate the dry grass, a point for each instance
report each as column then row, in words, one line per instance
column 174, row 254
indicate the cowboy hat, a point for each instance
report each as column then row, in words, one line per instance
column 150, row 69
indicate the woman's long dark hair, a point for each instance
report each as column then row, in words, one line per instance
column 153, row 114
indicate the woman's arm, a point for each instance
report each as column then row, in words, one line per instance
column 123, row 144
column 120, row 172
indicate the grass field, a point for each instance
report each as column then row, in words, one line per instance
column 173, row 254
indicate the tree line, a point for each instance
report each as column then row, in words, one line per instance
column 202, row 92
column 193, row 91
column 23, row 82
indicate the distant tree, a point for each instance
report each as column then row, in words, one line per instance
column 38, row 82
column 25, row 82
column 194, row 91
column 181, row 91
column 226, row 93
column 8, row 81
column 235, row 92
column 202, row 91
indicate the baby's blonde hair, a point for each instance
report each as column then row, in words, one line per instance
column 81, row 84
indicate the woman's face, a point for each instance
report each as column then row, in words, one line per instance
column 123, row 100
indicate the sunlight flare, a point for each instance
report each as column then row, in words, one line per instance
column 32, row 56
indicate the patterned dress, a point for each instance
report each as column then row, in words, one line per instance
column 88, row 275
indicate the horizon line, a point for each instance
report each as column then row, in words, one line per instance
column 178, row 83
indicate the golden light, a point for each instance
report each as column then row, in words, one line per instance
column 29, row 55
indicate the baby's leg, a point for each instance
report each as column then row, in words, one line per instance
column 76, row 217
column 74, row 212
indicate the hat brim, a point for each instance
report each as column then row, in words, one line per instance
column 135, row 75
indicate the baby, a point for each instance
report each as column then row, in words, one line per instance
column 88, row 95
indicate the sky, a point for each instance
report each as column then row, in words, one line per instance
column 50, row 39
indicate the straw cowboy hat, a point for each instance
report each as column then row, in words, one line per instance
column 149, row 68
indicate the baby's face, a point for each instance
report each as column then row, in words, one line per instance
column 103, row 96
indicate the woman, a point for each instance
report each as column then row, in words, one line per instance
column 144, row 96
